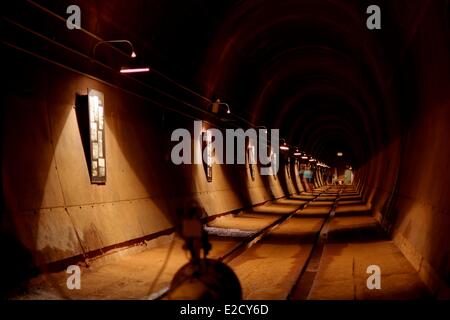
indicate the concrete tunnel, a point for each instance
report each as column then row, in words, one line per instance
column 314, row 70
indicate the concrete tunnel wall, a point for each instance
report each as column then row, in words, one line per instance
column 407, row 181
column 408, row 188
column 57, row 212
column 60, row 214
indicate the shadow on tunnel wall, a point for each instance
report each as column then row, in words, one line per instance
column 82, row 114
column 54, row 192
column 18, row 263
column 45, row 166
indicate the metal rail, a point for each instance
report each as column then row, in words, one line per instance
column 248, row 242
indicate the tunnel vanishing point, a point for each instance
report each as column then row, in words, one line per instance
column 354, row 202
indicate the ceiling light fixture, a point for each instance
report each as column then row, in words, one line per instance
column 216, row 104
column 132, row 54
column 134, row 70
column 284, row 146
column 262, row 127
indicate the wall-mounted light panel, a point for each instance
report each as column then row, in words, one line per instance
column 97, row 136
column 289, row 167
column 251, row 160
column 207, row 143
column 273, row 164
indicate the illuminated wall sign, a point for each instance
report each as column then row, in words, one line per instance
column 273, row 164
column 251, row 160
column 207, row 141
column 97, row 136
column 289, row 167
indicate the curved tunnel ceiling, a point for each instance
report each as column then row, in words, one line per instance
column 313, row 74
column 310, row 68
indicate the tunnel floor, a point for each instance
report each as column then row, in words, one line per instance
column 312, row 246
